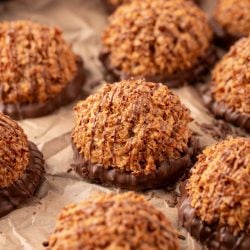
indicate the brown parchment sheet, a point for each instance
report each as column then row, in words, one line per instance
column 82, row 22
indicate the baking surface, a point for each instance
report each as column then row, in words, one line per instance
column 82, row 22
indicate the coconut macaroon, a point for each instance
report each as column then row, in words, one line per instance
column 228, row 95
column 232, row 20
column 38, row 70
column 109, row 221
column 215, row 205
column 21, row 166
column 132, row 134
column 162, row 41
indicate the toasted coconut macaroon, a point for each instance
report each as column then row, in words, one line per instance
column 215, row 203
column 162, row 41
column 134, row 135
column 113, row 221
column 228, row 95
column 21, row 166
column 38, row 70
column 231, row 20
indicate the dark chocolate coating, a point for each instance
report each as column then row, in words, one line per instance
column 213, row 236
column 166, row 174
column 17, row 193
column 222, row 38
column 176, row 80
column 110, row 7
column 221, row 111
column 19, row 111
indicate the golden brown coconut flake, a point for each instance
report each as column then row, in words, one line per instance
column 219, row 187
column 116, row 3
column 231, row 78
column 156, row 37
column 14, row 151
column 113, row 222
column 233, row 16
column 35, row 62
column 132, row 125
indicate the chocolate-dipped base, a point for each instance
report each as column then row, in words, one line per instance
column 17, row 193
column 109, row 7
column 20, row 111
column 214, row 237
column 166, row 174
column 222, row 38
column 221, row 111
column 176, row 80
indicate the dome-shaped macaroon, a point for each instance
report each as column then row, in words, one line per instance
column 162, row 41
column 109, row 221
column 215, row 205
column 228, row 95
column 21, row 166
column 132, row 134
column 38, row 70
column 231, row 20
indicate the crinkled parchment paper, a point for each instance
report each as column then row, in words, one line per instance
column 82, row 22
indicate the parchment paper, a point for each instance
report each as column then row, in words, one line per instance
column 82, row 22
